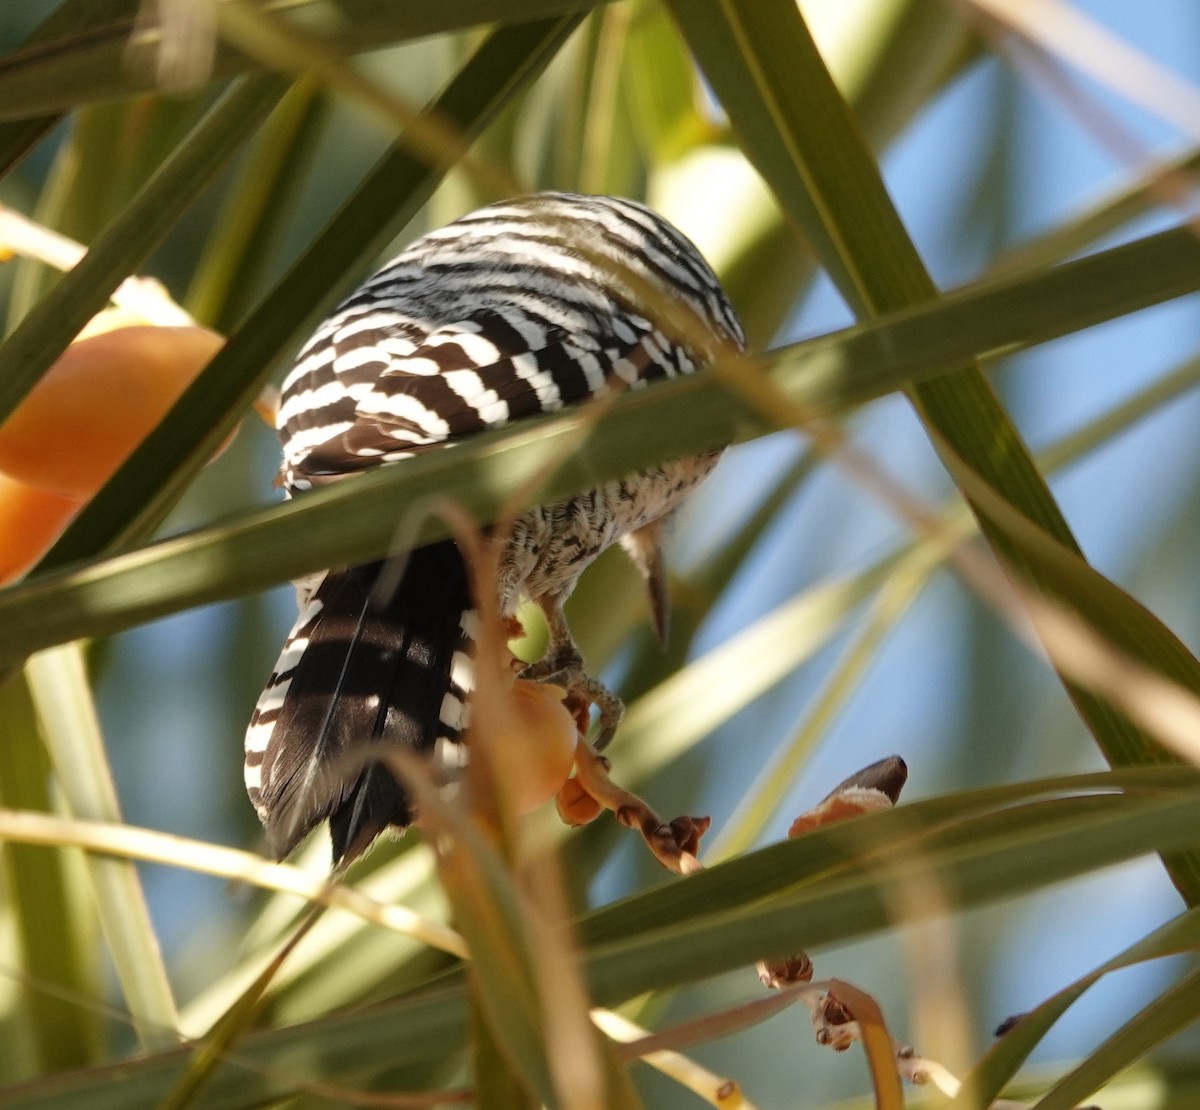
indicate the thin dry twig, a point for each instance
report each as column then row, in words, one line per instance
column 1033, row 49
column 841, row 1012
column 1063, row 31
column 674, row 843
column 228, row 863
column 658, row 1050
column 283, row 45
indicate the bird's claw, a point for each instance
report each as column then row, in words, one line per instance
column 565, row 668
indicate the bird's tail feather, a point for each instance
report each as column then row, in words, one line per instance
column 368, row 668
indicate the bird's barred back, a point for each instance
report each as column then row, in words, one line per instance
column 518, row 309
column 514, row 310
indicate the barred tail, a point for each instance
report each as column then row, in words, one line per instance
column 369, row 666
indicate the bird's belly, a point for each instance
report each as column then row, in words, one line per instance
column 552, row 545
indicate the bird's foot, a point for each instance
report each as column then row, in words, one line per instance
column 565, row 668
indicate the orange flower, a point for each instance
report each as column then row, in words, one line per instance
column 30, row 521
column 84, row 418
column 537, row 741
column 97, row 403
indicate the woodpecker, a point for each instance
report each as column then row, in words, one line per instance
column 520, row 308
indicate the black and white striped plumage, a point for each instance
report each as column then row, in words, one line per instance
column 518, row 309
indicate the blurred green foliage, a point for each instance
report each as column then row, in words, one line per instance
column 260, row 158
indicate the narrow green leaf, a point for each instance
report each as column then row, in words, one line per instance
column 688, row 705
column 1170, row 1012
column 109, row 154
column 58, row 682
column 46, row 898
column 110, row 62
column 496, row 1085
column 1143, row 192
column 70, row 17
column 1000, row 1064
column 1019, row 852
column 149, row 483
column 887, row 74
column 810, row 891
column 608, row 163
column 237, row 253
column 960, row 816
column 660, row 83
column 128, row 240
column 221, row 1040
column 907, row 578
column 804, row 139
column 357, row 520
column 489, row 914
column 267, row 1066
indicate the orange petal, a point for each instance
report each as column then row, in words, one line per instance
column 110, row 319
column 30, row 521
column 853, row 801
column 575, row 805
column 97, row 403
column 537, row 743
